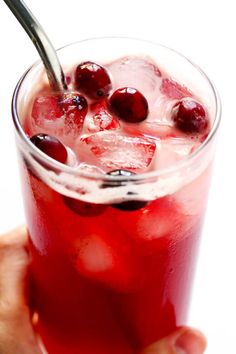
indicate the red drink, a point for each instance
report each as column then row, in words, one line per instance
column 115, row 225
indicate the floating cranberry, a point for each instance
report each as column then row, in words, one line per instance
column 50, row 146
column 84, row 208
column 190, row 117
column 129, row 105
column 129, row 205
column 92, row 80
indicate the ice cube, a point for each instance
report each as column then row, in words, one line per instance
column 114, row 151
column 173, row 90
column 105, row 260
column 157, row 129
column 59, row 115
column 163, row 212
column 160, row 222
column 95, row 256
column 137, row 72
column 172, row 150
column 100, row 118
column 45, row 107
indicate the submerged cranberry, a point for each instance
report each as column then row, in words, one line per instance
column 129, row 205
column 92, row 80
column 84, row 208
column 129, row 105
column 190, row 117
column 50, row 146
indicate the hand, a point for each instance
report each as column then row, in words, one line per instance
column 16, row 333
column 183, row 341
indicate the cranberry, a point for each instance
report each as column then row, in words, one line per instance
column 92, row 80
column 75, row 108
column 129, row 205
column 50, row 146
column 84, row 208
column 189, row 116
column 129, row 105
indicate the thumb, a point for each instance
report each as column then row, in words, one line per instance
column 183, row 341
column 13, row 269
column 16, row 332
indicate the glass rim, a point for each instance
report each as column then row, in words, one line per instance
column 99, row 176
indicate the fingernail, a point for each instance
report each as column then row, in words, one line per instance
column 190, row 342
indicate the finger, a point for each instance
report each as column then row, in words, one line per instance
column 183, row 341
column 13, row 269
column 16, row 237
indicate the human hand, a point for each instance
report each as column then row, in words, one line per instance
column 16, row 332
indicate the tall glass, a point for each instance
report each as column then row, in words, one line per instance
column 106, row 279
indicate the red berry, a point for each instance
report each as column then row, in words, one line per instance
column 129, row 105
column 189, row 116
column 50, row 146
column 92, row 80
column 84, row 208
column 129, row 205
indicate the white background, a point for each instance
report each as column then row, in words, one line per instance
column 203, row 30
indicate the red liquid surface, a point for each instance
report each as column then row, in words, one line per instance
column 111, row 281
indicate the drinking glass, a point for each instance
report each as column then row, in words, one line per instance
column 113, row 257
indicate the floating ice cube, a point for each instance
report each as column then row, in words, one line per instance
column 156, row 129
column 173, row 90
column 115, row 151
column 100, row 118
column 59, row 115
column 173, row 149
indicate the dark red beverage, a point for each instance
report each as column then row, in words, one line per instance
column 115, row 179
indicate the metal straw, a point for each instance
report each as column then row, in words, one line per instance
column 41, row 41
